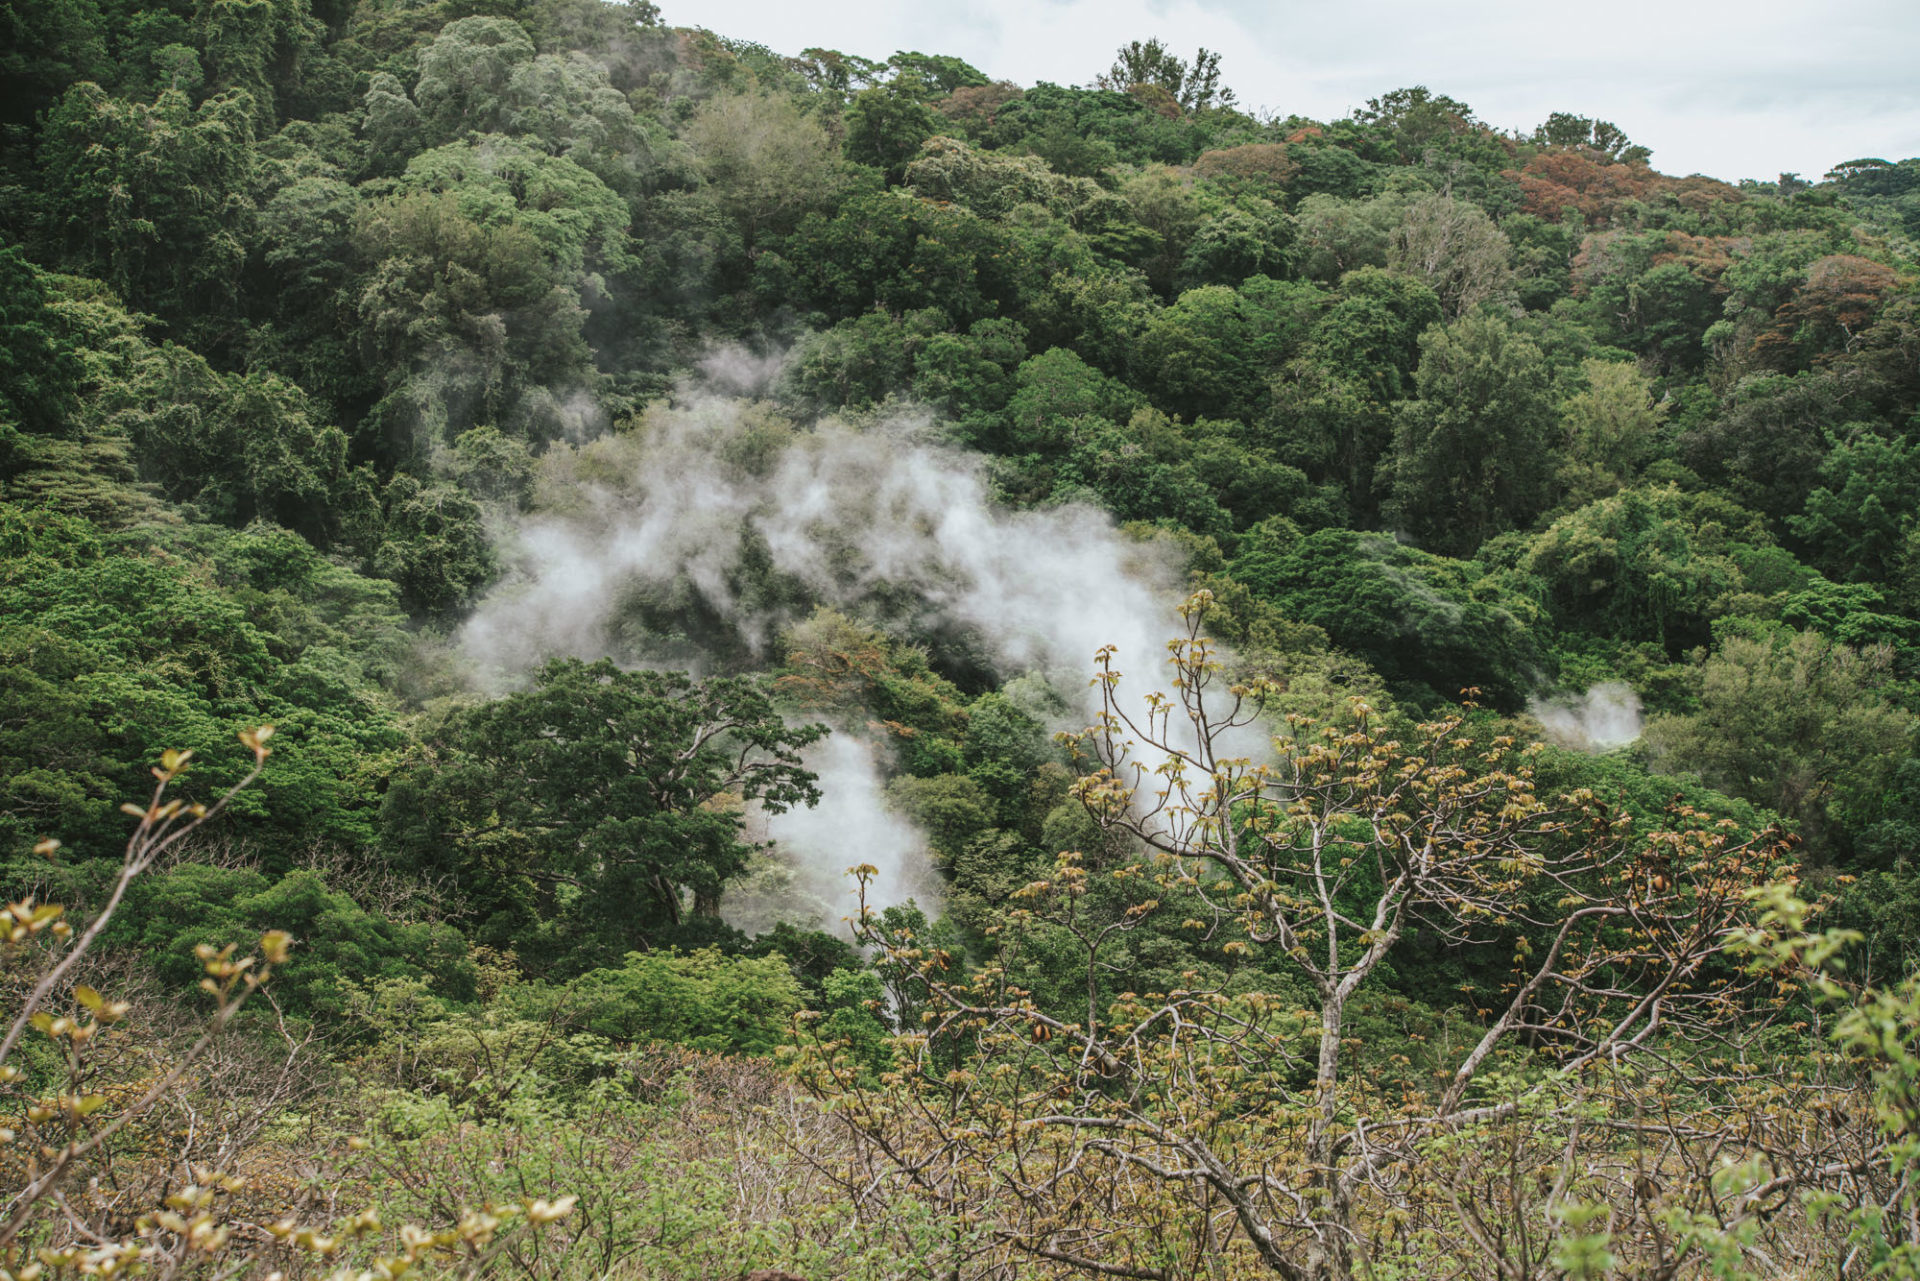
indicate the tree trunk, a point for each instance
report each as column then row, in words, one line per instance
column 1331, row 1257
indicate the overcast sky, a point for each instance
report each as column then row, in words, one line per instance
column 1741, row 89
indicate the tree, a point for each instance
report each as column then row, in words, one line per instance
column 865, row 359
column 58, row 1126
column 704, row 999
column 1333, row 408
column 1164, row 202
column 1654, row 294
column 1428, row 625
column 1327, row 170
column 1565, row 129
column 593, row 813
column 766, row 163
column 117, row 650
column 1331, row 428
column 994, row 184
column 1057, row 397
column 1830, row 313
column 836, row 666
column 465, row 74
column 38, row 372
column 1155, row 1133
column 1474, row 454
column 154, row 198
column 941, row 73
column 1216, row 349
column 1236, row 245
column 50, row 44
column 1260, row 165
column 885, row 129
column 902, row 254
column 1417, row 118
column 970, row 372
column 1145, row 472
column 1335, row 236
column 247, row 42
column 1455, row 248
column 1608, row 430
column 860, row 361
column 1554, row 184
column 1647, row 564
column 1792, row 721
column 305, row 242
column 1766, row 445
column 972, row 108
column 244, row 446
column 432, row 544
column 474, row 273
column 1874, row 1218
column 1194, row 85
column 570, row 106
column 1858, row 520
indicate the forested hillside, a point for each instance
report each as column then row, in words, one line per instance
column 704, row 526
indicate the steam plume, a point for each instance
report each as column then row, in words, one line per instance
column 1606, row 716
column 749, row 523
column 852, row 825
column 729, row 523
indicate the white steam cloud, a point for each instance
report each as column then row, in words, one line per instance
column 853, row 825
column 882, row 517
column 1606, row 716
column 721, row 512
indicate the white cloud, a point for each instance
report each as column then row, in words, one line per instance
column 1733, row 88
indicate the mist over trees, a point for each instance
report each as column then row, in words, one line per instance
column 845, row 668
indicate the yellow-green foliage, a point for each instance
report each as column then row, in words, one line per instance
column 702, row 999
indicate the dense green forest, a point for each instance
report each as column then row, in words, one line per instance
column 705, row 527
